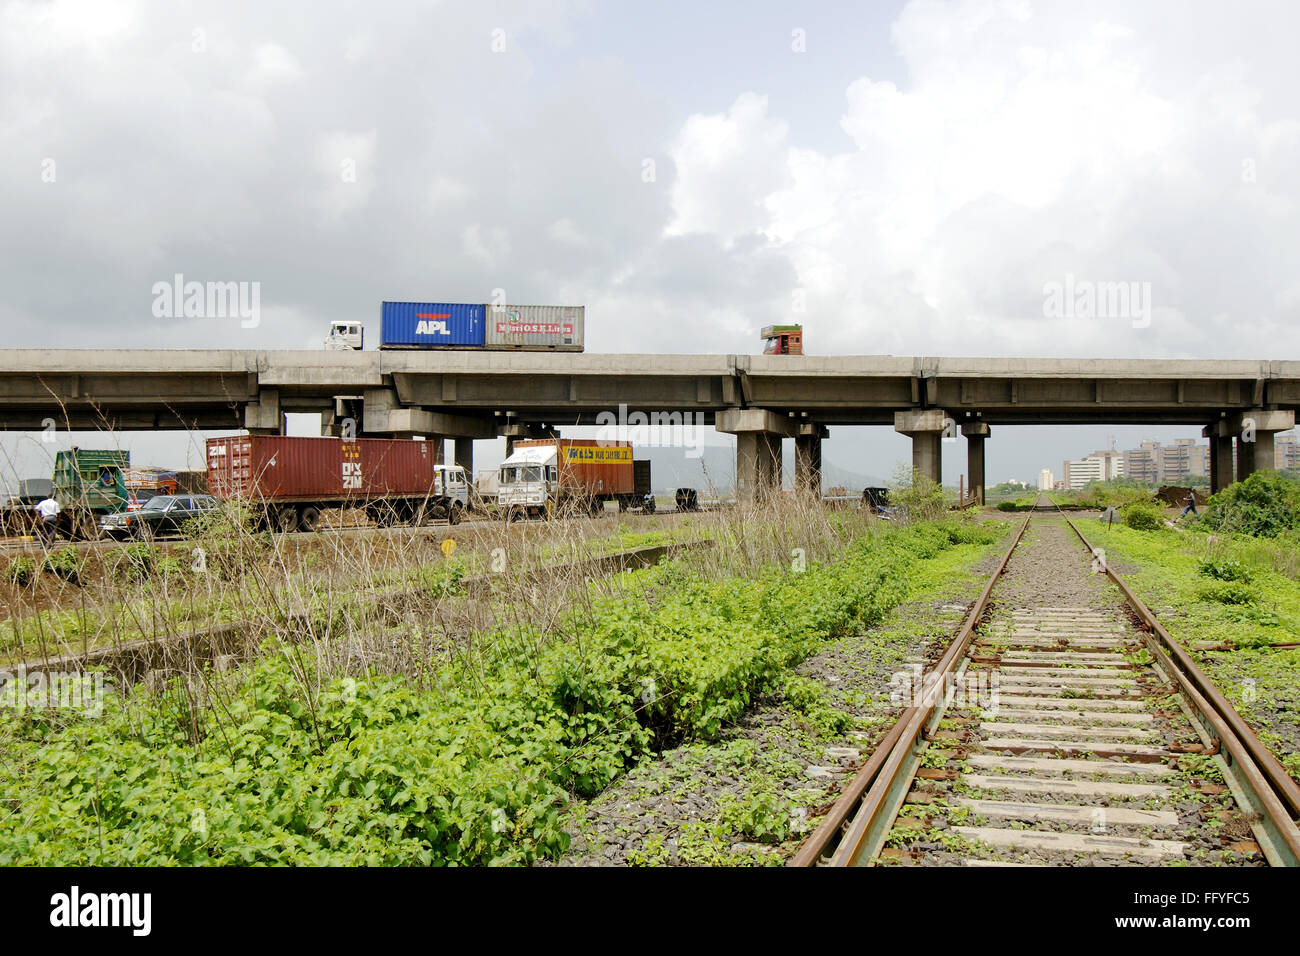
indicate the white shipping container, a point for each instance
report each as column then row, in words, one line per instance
column 539, row 327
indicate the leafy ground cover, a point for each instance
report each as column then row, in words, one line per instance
column 283, row 764
column 1229, row 591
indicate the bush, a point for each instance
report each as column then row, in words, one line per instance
column 1223, row 570
column 1227, row 592
column 136, row 560
column 1266, row 504
column 64, row 563
column 918, row 494
column 21, row 571
column 1143, row 517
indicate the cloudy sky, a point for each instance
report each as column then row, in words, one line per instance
column 904, row 178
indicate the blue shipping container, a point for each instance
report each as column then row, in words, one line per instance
column 431, row 325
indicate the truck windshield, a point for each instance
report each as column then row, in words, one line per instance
column 516, row 473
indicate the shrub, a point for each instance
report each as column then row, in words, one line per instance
column 136, row 560
column 64, row 563
column 21, row 571
column 1143, row 517
column 920, row 495
column 1223, row 570
column 1266, row 504
column 1227, row 592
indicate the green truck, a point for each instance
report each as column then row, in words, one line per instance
column 88, row 484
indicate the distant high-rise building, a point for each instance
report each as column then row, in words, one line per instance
column 1143, row 463
column 1184, row 459
column 1046, row 480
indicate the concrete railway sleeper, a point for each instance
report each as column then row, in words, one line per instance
column 1068, row 742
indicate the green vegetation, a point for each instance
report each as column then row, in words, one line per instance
column 287, row 763
column 1143, row 517
column 922, row 496
column 1266, row 504
column 1118, row 492
column 1229, row 591
column 1008, row 491
column 21, row 571
column 65, row 563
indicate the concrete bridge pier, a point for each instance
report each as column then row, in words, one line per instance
column 264, row 416
column 463, row 450
column 926, row 429
column 758, row 449
column 975, row 433
column 1255, row 429
column 1220, row 436
column 808, row 458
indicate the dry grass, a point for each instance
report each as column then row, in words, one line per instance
column 390, row 602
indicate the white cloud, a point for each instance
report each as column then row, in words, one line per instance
column 1030, row 142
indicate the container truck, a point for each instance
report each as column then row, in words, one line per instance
column 459, row 325
column 88, row 484
column 542, row 477
column 289, row 481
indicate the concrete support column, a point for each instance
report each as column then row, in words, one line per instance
column 264, row 417
column 1255, row 429
column 926, row 428
column 758, row 465
column 464, row 452
column 975, row 433
column 808, row 459
column 758, row 449
column 1220, row 455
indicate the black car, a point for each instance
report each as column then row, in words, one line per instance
column 161, row 515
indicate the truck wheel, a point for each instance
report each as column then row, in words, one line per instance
column 515, row 514
column 309, row 518
column 454, row 511
column 286, row 520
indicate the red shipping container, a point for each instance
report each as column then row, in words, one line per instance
column 281, row 468
column 589, row 466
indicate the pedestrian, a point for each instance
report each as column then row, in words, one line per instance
column 47, row 511
column 1191, row 505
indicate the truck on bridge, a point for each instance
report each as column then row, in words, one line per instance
column 477, row 326
column 542, row 477
column 290, row 481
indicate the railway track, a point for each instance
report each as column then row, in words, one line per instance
column 1063, row 733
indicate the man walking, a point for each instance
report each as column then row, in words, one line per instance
column 47, row 512
column 1191, row 505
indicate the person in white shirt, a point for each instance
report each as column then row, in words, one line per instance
column 48, row 511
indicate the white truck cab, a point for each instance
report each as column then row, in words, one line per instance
column 529, row 479
column 452, row 483
column 345, row 336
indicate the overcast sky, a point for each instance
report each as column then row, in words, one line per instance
column 914, row 175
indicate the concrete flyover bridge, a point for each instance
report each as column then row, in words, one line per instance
column 762, row 399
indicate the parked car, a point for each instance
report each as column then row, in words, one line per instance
column 160, row 515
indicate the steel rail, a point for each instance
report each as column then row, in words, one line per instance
column 1275, row 795
column 860, row 818
column 854, row 830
